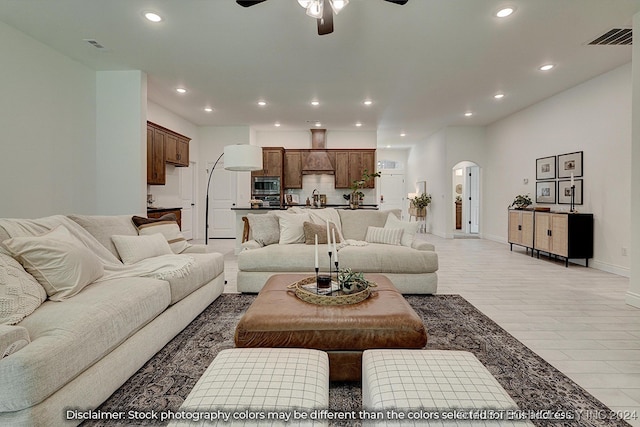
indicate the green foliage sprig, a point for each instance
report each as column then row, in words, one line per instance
column 421, row 201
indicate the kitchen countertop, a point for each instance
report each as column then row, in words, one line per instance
column 275, row 208
column 158, row 209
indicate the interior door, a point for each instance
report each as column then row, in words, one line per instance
column 473, row 214
column 222, row 197
column 392, row 192
column 187, row 199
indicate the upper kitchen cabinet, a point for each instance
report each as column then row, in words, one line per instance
column 351, row 164
column 176, row 149
column 155, row 156
column 272, row 162
column 292, row 169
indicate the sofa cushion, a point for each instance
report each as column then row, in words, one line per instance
column 136, row 248
column 355, row 222
column 378, row 258
column 321, row 216
column 264, row 228
column 207, row 267
column 58, row 260
column 103, row 227
column 409, row 229
column 384, row 235
column 167, row 225
column 283, row 258
column 291, row 227
column 67, row 337
column 20, row 293
column 12, row 339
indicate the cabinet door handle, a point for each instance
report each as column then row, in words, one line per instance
column 519, row 228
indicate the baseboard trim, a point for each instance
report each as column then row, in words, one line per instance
column 633, row 299
column 610, row 268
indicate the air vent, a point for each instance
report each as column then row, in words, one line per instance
column 615, row 37
column 94, row 43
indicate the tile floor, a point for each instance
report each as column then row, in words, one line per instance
column 575, row 317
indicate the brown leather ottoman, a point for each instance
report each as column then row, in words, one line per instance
column 277, row 318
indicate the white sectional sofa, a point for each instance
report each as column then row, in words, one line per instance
column 410, row 263
column 81, row 349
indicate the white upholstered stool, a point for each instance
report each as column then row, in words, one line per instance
column 425, row 382
column 247, row 384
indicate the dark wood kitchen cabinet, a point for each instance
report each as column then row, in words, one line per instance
column 155, row 156
column 272, row 162
column 292, row 169
column 351, row 164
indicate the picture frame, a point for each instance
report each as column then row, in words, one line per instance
column 546, row 168
column 546, row 192
column 570, row 163
column 564, row 192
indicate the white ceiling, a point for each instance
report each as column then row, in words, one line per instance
column 423, row 64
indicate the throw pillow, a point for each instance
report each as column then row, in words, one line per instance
column 20, row 294
column 320, row 216
column 12, row 339
column 264, row 228
column 388, row 236
column 312, row 230
column 167, row 225
column 291, row 227
column 59, row 261
column 409, row 229
column 136, row 248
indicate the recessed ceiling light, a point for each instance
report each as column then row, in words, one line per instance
column 546, row 67
column 498, row 95
column 208, row 109
column 403, row 134
column 367, row 102
column 504, row 12
column 277, row 124
column 262, row 103
column 315, row 103
column 318, row 124
column 468, row 114
column 153, row 17
column 358, row 124
column 181, row 90
column 388, row 146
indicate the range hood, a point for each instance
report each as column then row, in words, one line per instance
column 317, row 160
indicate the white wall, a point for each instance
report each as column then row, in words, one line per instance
column 121, row 142
column 47, row 117
column 302, row 139
column 594, row 117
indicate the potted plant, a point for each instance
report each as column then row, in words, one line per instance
column 351, row 282
column 356, row 195
column 458, row 199
column 420, row 204
column 521, row 201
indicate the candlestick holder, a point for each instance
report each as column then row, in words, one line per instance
column 330, row 272
column 573, row 199
column 317, row 269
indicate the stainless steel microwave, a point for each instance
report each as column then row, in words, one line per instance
column 266, row 185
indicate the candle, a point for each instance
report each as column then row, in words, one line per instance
column 572, row 183
column 335, row 249
column 328, row 236
column 316, row 251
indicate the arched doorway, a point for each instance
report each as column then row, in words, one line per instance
column 466, row 199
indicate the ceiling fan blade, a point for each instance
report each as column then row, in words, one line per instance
column 325, row 24
column 400, row 2
column 247, row 3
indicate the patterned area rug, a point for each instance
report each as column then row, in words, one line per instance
column 452, row 324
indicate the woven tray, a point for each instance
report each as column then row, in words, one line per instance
column 336, row 298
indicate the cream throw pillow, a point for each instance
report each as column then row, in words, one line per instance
column 388, row 236
column 20, row 294
column 292, row 227
column 136, row 248
column 409, row 229
column 167, row 225
column 60, row 262
column 264, row 228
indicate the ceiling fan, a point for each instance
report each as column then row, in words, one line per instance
column 322, row 10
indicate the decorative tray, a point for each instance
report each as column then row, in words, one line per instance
column 305, row 289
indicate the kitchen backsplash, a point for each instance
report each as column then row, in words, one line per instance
column 325, row 185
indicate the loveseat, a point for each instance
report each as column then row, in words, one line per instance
column 77, row 344
column 371, row 242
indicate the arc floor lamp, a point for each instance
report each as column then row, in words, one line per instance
column 240, row 157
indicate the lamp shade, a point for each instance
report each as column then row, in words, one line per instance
column 242, row 157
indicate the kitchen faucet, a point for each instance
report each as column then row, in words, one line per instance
column 316, row 198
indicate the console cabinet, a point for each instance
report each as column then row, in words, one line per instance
column 521, row 229
column 568, row 235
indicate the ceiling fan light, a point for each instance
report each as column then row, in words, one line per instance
column 338, row 5
column 315, row 9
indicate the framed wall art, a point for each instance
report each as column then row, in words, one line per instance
column 564, row 192
column 546, row 192
column 570, row 163
column 546, row 168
